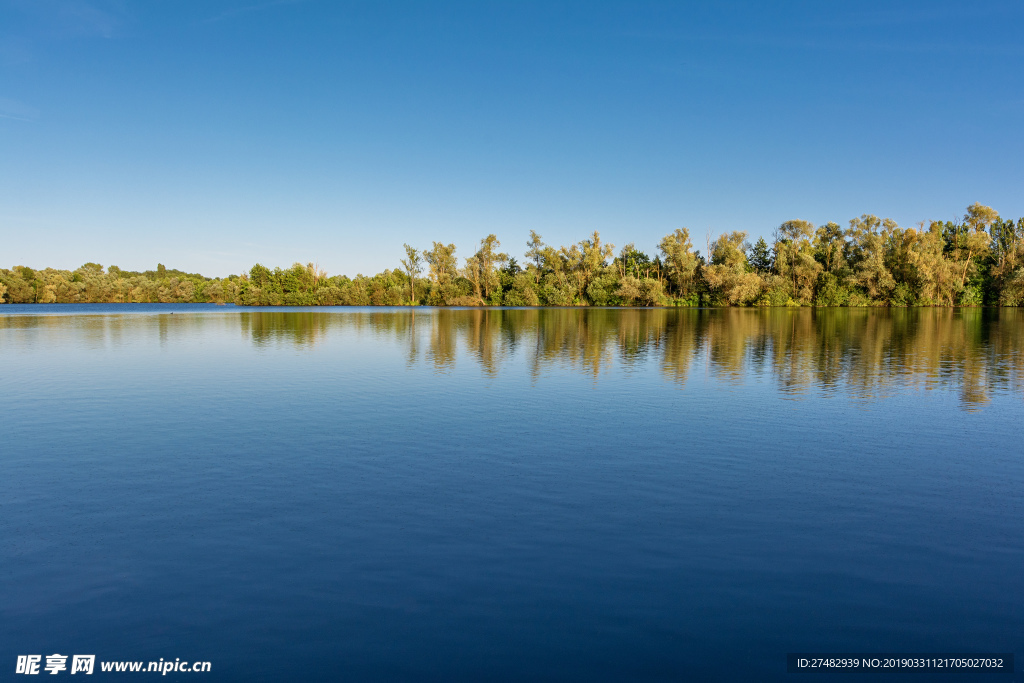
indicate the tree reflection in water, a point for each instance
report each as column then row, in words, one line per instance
column 866, row 353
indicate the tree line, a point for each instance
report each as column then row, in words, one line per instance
column 974, row 261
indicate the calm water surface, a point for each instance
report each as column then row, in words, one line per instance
column 578, row 495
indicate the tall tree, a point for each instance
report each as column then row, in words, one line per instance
column 633, row 262
column 481, row 267
column 727, row 276
column 535, row 253
column 592, row 257
column 680, row 261
column 443, row 271
column 760, row 257
column 866, row 254
column 829, row 244
column 443, row 265
column 794, row 258
column 730, row 250
column 413, row 265
column 974, row 241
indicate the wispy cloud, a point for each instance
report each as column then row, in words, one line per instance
column 246, row 9
column 922, row 16
column 65, row 18
column 19, row 111
column 87, row 19
column 799, row 41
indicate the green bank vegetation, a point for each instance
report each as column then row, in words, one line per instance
column 975, row 261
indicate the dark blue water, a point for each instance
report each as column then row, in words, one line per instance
column 577, row 495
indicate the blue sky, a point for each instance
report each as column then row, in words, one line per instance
column 212, row 135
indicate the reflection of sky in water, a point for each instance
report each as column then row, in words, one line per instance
column 864, row 354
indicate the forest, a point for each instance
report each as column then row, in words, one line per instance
column 974, row 261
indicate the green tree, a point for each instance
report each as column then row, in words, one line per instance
column 760, row 257
column 1008, row 270
column 973, row 242
column 728, row 277
column 481, row 267
column 866, row 255
column 794, row 258
column 829, row 246
column 535, row 254
column 443, row 271
column 413, row 265
column 680, row 261
column 585, row 260
column 633, row 262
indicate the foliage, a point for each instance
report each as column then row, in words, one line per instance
column 977, row 260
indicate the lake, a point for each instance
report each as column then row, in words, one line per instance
column 390, row 494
